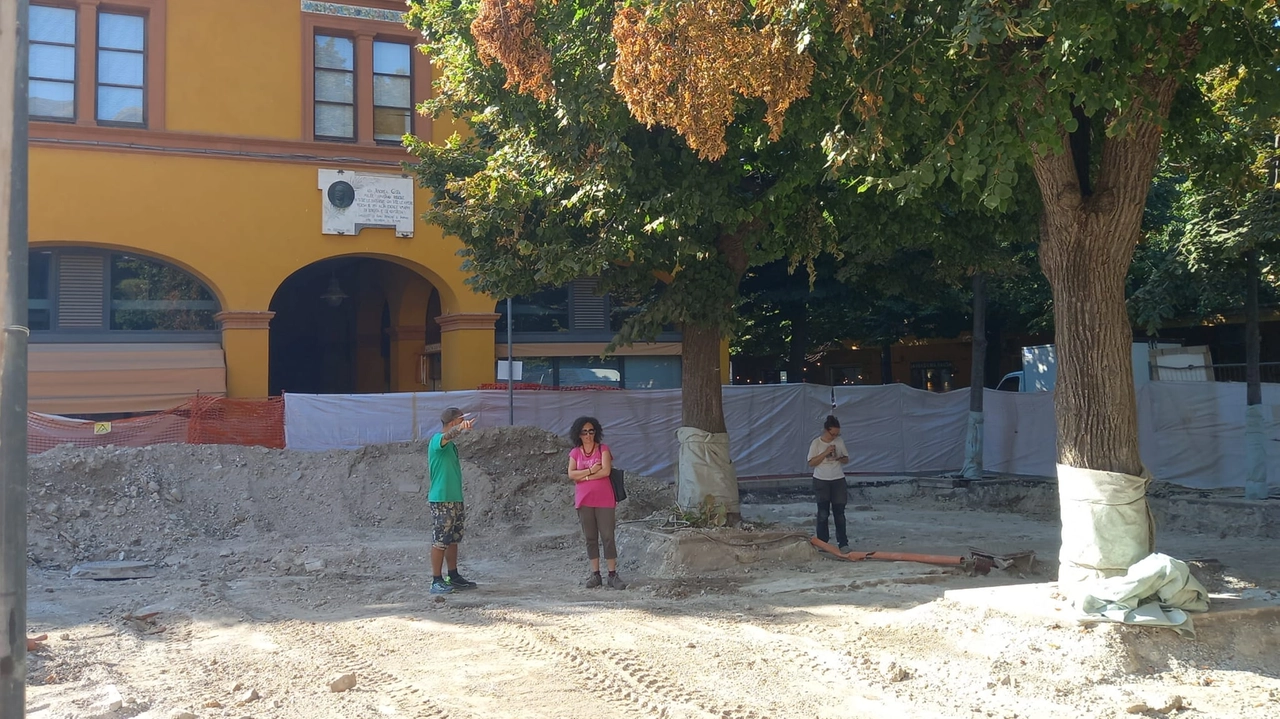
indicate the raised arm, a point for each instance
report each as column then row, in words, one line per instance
column 458, row 429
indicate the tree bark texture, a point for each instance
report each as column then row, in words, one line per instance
column 701, row 403
column 1255, row 430
column 1252, row 332
column 1089, row 228
column 972, row 468
column 1086, row 246
column 977, row 374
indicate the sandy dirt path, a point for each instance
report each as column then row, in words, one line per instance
column 816, row 638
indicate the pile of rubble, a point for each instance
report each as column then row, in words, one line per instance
column 152, row 503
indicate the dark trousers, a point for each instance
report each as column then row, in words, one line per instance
column 832, row 496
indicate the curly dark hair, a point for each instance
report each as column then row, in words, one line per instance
column 575, row 433
column 831, row 423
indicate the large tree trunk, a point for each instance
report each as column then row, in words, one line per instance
column 1255, row 447
column 702, row 405
column 1087, row 241
column 705, row 471
column 977, row 374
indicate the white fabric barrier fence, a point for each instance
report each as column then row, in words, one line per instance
column 1191, row 433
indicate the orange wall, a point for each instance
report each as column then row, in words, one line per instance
column 235, row 67
column 242, row 226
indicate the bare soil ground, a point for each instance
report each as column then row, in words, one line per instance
column 277, row 572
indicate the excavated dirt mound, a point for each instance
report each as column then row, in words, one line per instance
column 152, row 502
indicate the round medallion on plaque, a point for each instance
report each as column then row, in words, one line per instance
column 341, row 194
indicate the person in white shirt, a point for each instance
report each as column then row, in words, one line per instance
column 827, row 456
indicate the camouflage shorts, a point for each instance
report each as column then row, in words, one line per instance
column 447, row 519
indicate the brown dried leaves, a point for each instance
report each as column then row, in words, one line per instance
column 848, row 16
column 505, row 31
column 685, row 69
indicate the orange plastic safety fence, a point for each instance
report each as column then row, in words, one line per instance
column 203, row 420
column 247, row 422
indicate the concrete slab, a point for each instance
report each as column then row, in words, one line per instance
column 113, row 570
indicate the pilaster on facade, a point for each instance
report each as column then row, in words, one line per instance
column 244, row 319
column 486, row 321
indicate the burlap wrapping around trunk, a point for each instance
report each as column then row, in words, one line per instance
column 1106, row 524
column 705, row 468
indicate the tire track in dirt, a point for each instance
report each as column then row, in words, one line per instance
column 350, row 655
column 581, row 670
column 651, row 690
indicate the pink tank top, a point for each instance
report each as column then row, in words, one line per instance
column 594, row 492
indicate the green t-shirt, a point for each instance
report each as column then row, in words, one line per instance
column 446, row 471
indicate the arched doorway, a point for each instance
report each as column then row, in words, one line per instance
column 350, row 325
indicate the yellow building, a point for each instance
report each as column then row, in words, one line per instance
column 218, row 207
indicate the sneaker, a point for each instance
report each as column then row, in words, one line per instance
column 594, row 581
column 440, row 586
column 615, row 582
column 844, row 549
column 459, row 582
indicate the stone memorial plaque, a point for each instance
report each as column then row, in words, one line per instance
column 351, row 201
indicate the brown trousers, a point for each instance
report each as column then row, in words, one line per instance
column 598, row 525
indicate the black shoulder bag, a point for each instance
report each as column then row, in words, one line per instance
column 619, row 488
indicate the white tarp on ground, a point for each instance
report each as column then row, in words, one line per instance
column 1191, row 433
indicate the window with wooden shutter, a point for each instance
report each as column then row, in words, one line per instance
column 588, row 307
column 81, row 289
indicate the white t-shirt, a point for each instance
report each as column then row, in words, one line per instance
column 830, row 469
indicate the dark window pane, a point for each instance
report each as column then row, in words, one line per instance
column 121, row 32
column 52, row 62
column 38, row 265
column 576, row 371
column 389, row 91
column 39, row 319
column 51, row 99
column 148, row 295
column 391, row 58
column 653, row 372
column 535, row 370
column 335, row 121
column 545, row 311
column 334, row 86
column 119, row 104
column 390, row 123
column 39, row 306
column 335, row 53
column 52, row 24
column 120, row 68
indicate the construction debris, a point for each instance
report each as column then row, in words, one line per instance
column 112, row 570
column 973, row 565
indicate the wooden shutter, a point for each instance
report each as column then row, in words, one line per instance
column 588, row 307
column 81, row 285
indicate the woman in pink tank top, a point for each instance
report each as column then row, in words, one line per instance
column 590, row 463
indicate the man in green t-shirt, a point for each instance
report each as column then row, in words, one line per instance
column 445, row 498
